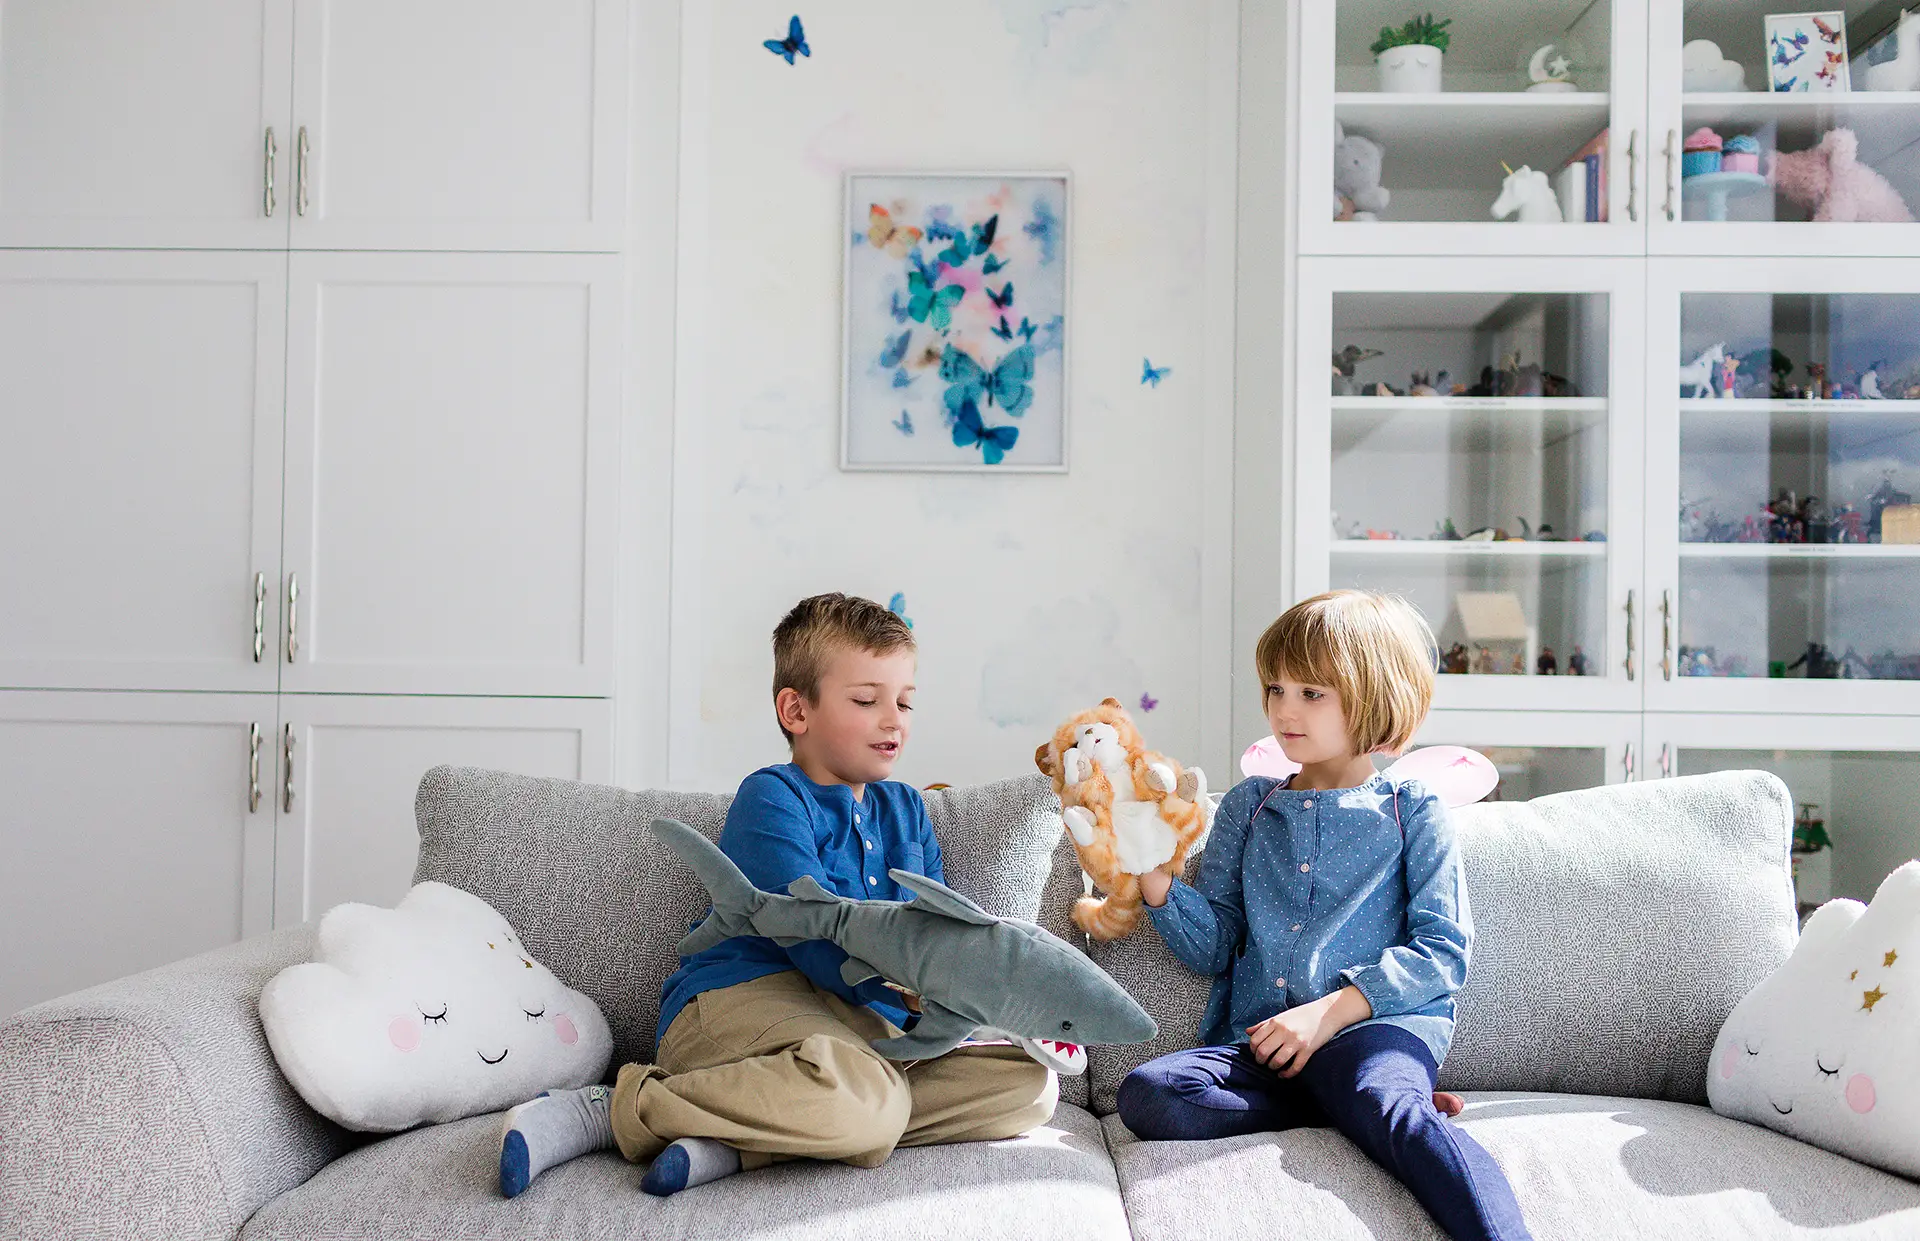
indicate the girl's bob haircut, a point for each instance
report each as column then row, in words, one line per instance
column 1375, row 650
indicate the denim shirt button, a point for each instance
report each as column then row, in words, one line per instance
column 1280, row 983
column 1304, row 868
column 1307, row 804
column 1296, row 926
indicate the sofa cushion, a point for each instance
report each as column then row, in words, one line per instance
column 1054, row 1184
column 1582, row 1169
column 603, row 904
column 1614, row 930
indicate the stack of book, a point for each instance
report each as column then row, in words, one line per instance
column 1581, row 184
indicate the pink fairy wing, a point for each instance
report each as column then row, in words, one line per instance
column 1265, row 758
column 1459, row 776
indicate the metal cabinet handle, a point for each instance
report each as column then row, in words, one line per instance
column 1666, row 758
column 286, row 758
column 272, row 154
column 1626, row 761
column 253, row 768
column 301, row 157
column 1629, row 635
column 1673, row 140
column 293, row 616
column 259, row 616
column 1666, row 634
column 1633, row 176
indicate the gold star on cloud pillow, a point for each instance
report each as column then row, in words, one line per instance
column 429, row 1011
column 1824, row 1049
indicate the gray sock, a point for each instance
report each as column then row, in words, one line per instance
column 690, row 1162
column 552, row 1129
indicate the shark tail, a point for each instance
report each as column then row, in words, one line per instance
column 735, row 899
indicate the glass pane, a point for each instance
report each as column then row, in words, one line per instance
column 1469, row 470
column 1799, row 535
column 1862, row 801
column 1838, row 77
column 1527, row 772
column 1524, row 83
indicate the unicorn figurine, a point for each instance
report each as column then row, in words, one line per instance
column 1527, row 192
column 1698, row 374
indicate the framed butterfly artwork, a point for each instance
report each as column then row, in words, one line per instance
column 954, row 331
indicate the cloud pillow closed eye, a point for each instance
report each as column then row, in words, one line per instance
column 429, row 1011
column 1825, row 1048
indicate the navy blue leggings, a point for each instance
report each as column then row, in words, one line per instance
column 1373, row 1083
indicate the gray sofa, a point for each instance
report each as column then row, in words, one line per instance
column 1616, row 929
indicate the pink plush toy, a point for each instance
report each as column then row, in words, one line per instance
column 1831, row 180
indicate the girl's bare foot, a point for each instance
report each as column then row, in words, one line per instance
column 1448, row 1103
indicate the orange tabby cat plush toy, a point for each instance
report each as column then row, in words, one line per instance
column 1127, row 808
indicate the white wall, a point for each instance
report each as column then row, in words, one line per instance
column 1032, row 596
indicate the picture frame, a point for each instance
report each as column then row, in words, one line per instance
column 956, row 324
column 1807, row 52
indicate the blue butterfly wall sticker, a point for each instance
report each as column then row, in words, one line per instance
column 969, row 429
column 796, row 41
column 898, row 606
column 1006, row 385
column 1151, row 374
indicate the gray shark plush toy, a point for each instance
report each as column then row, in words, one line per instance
column 977, row 976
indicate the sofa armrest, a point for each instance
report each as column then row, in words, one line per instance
column 152, row 1106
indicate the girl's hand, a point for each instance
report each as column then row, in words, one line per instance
column 1155, row 884
column 1285, row 1041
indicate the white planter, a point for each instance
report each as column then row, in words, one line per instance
column 1410, row 70
column 1813, row 877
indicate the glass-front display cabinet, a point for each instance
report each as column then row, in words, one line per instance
column 1539, row 754
column 1784, row 486
column 1475, row 446
column 1503, row 126
column 1854, row 781
column 1776, row 131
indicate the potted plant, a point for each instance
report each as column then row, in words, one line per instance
column 1408, row 59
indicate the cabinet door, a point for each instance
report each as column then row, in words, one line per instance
column 1509, row 510
column 1455, row 154
column 1845, row 76
column 450, row 472
column 460, row 124
column 349, row 768
column 1784, row 546
column 125, row 123
column 130, row 835
column 140, row 468
column 1538, row 753
column 1857, row 775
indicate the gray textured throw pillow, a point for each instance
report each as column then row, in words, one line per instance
column 602, row 903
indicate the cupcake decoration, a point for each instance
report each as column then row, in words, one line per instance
column 1700, row 154
column 1741, row 154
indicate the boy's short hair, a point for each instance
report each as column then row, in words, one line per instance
column 1376, row 650
column 807, row 637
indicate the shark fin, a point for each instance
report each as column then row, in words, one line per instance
column 938, row 1032
column 807, row 888
column 854, row 971
column 941, row 899
column 735, row 899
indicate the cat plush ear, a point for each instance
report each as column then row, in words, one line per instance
column 1044, row 760
column 1111, row 702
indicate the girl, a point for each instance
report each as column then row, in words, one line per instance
column 1332, row 908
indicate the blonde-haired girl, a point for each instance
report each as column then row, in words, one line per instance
column 1332, row 910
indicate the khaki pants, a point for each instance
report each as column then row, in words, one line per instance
column 777, row 1068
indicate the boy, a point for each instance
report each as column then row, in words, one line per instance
column 764, row 1052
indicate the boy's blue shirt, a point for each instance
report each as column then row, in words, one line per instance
column 781, row 826
column 1302, row 892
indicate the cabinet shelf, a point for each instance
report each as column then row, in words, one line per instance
column 1457, row 141
column 1780, row 406
column 1491, row 404
column 1800, row 551
column 1462, row 547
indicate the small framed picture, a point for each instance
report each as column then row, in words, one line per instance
column 1807, row 52
column 954, row 331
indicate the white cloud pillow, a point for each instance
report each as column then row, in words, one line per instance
column 1825, row 1048
column 427, row 1012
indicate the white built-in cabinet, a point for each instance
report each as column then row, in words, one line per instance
column 310, row 357
column 320, row 124
column 1525, row 428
